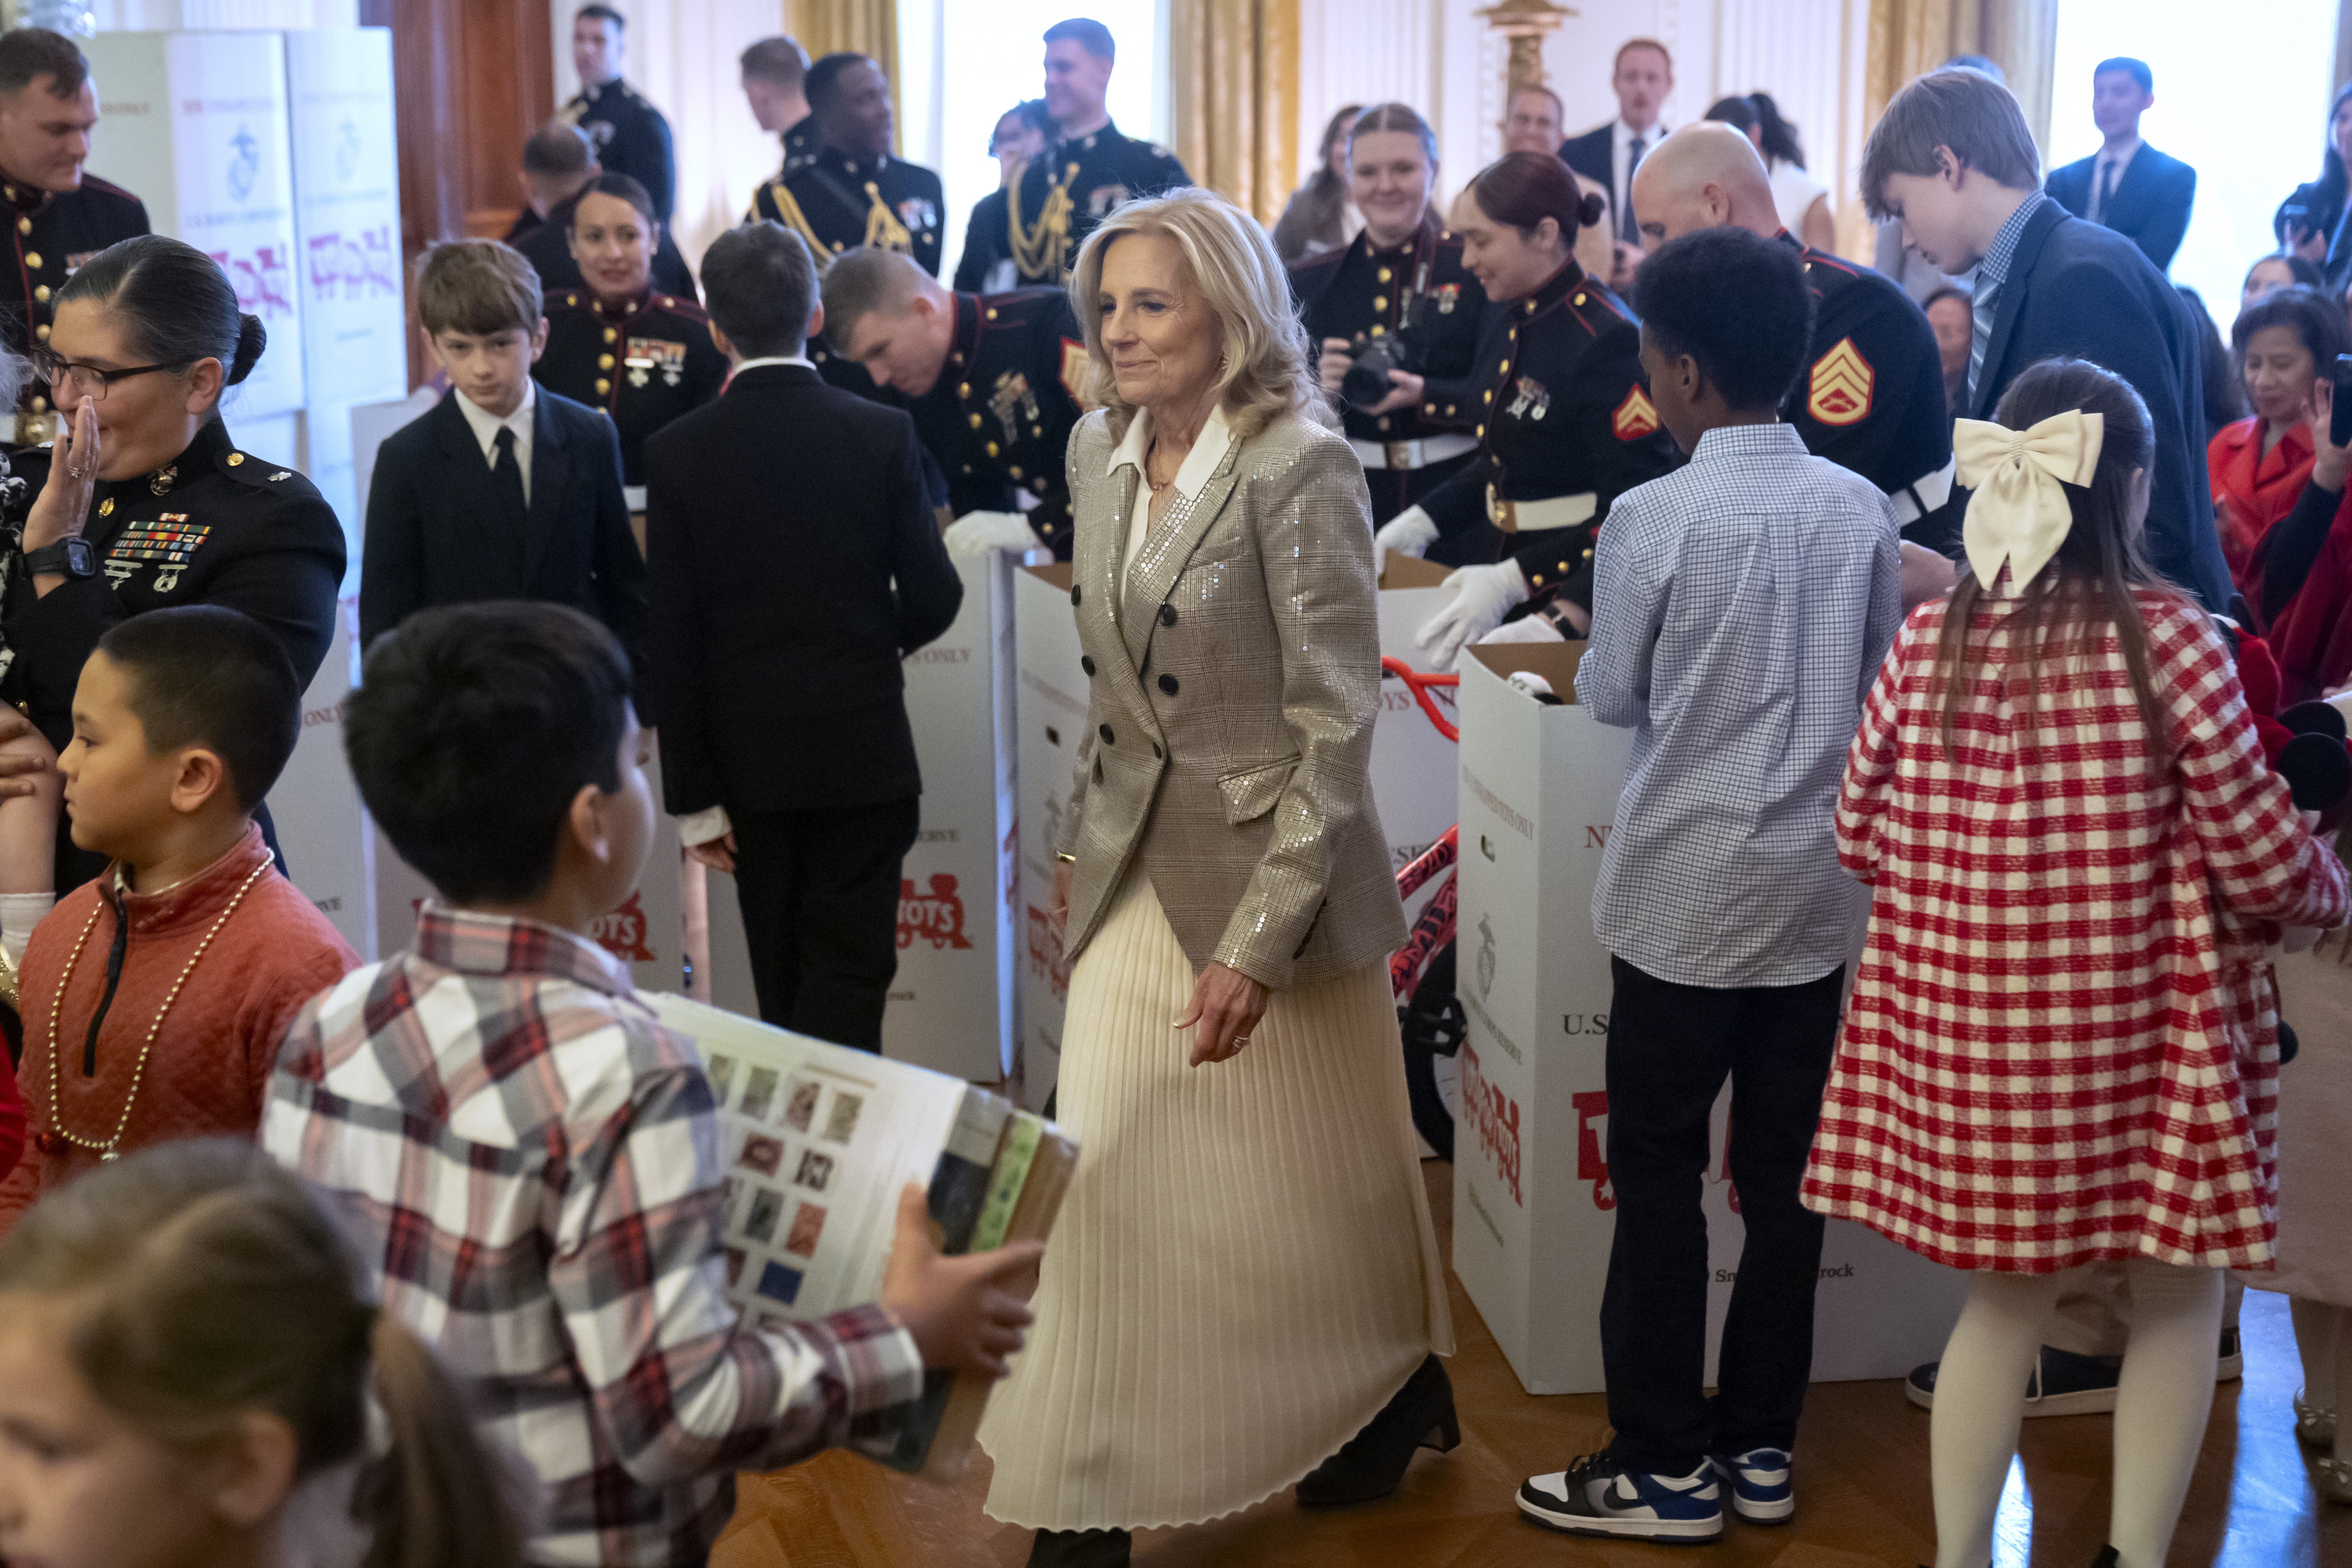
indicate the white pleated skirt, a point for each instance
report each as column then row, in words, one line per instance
column 1244, row 1271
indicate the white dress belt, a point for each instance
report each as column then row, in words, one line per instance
column 1418, row 454
column 1540, row 516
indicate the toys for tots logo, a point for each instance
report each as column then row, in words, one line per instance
column 622, row 932
column 1494, row 1116
column 936, row 917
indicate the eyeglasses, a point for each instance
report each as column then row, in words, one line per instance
column 67, row 379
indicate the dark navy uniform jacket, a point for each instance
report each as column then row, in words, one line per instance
column 214, row 526
column 1001, row 413
column 54, row 234
column 1072, row 186
column 644, row 361
column 838, row 203
column 631, row 137
column 1562, row 416
column 1871, row 398
column 800, row 143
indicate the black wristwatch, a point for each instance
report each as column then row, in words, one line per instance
column 68, row 557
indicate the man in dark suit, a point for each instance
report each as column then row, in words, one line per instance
column 794, row 561
column 2128, row 186
column 503, row 490
column 1951, row 158
column 1608, row 154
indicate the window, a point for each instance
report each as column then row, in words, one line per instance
column 986, row 58
column 2243, row 102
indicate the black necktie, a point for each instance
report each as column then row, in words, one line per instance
column 507, row 475
column 2106, row 201
column 1626, row 226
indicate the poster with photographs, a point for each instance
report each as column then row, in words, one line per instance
column 820, row 1140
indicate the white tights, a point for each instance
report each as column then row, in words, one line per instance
column 2162, row 1401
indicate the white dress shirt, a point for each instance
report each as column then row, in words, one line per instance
column 1208, row 451
column 1621, row 155
column 702, row 826
column 486, row 426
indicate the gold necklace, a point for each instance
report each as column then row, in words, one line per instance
column 60, row 1138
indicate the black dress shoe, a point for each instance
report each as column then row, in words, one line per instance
column 2108, row 1557
column 1419, row 1416
column 1081, row 1549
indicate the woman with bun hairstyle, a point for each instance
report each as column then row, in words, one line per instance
column 1563, row 425
column 147, row 501
column 193, row 1375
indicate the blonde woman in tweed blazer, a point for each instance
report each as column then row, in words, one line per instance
column 1244, row 1293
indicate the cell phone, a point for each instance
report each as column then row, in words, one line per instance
column 2339, row 423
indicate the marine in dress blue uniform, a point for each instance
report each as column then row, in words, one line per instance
column 631, row 137
column 54, row 232
column 1421, row 289
column 1067, row 190
column 1565, row 426
column 644, row 361
column 999, row 419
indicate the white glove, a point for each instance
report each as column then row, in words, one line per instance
column 1483, row 595
column 978, row 533
column 1409, row 532
column 1527, row 629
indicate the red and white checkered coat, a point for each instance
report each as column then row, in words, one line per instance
column 2063, row 1040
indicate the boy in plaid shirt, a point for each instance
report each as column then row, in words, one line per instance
column 531, row 1159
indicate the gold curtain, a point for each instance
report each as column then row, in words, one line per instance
column 868, row 28
column 1233, row 71
column 1909, row 37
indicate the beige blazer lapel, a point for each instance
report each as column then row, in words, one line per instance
column 1099, row 575
column 1164, row 554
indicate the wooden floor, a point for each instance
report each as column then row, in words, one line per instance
column 1862, row 1474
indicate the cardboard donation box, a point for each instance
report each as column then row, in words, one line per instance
column 952, row 1004
column 315, row 805
column 1052, row 703
column 197, row 123
column 1533, row 1207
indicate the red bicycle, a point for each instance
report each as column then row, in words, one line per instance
column 1430, row 1019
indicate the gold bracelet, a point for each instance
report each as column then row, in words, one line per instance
column 1066, row 859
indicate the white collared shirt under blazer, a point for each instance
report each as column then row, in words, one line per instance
column 1235, row 676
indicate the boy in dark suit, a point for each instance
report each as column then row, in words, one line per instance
column 794, row 561
column 2126, row 184
column 1952, row 160
column 504, row 489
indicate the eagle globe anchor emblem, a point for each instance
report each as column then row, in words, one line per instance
column 1486, row 956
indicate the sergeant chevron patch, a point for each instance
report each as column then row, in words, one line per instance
column 1635, row 417
column 1839, row 386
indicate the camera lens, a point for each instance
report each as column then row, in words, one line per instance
column 1367, row 381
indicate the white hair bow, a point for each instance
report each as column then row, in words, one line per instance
column 2018, row 513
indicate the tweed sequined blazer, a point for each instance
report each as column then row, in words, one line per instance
column 1233, row 679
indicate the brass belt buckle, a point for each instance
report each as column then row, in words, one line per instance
column 1494, row 507
column 1402, row 454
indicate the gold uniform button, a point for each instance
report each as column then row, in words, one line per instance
column 40, row 405
column 106, row 507
column 1488, row 394
column 992, row 312
column 1384, row 422
column 235, row 459
column 1385, row 275
column 24, row 226
column 992, row 449
column 964, row 390
column 33, row 259
column 975, row 421
column 1534, row 580
column 1380, row 302
column 41, row 294
column 1014, row 471
column 602, row 386
column 612, row 335
column 1481, row 432
column 1531, row 306
column 1579, row 298
column 1429, row 408
column 42, row 331
column 603, row 362
column 1504, row 368
column 1588, row 555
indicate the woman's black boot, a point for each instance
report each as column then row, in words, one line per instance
column 1419, row 1416
column 1080, row 1548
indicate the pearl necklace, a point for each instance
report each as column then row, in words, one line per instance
column 60, row 1138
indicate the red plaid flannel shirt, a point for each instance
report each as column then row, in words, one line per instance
column 533, row 1164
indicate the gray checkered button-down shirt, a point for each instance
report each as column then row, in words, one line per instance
column 1984, row 305
column 1741, row 608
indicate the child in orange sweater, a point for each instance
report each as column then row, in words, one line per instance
column 154, row 998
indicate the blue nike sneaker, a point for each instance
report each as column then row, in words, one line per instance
column 1600, row 1495
column 1761, row 1489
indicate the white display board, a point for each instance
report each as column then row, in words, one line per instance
column 346, row 188
column 197, row 123
column 1052, row 703
column 316, row 808
column 1533, row 1207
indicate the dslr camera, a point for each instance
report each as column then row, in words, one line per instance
column 1367, row 381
